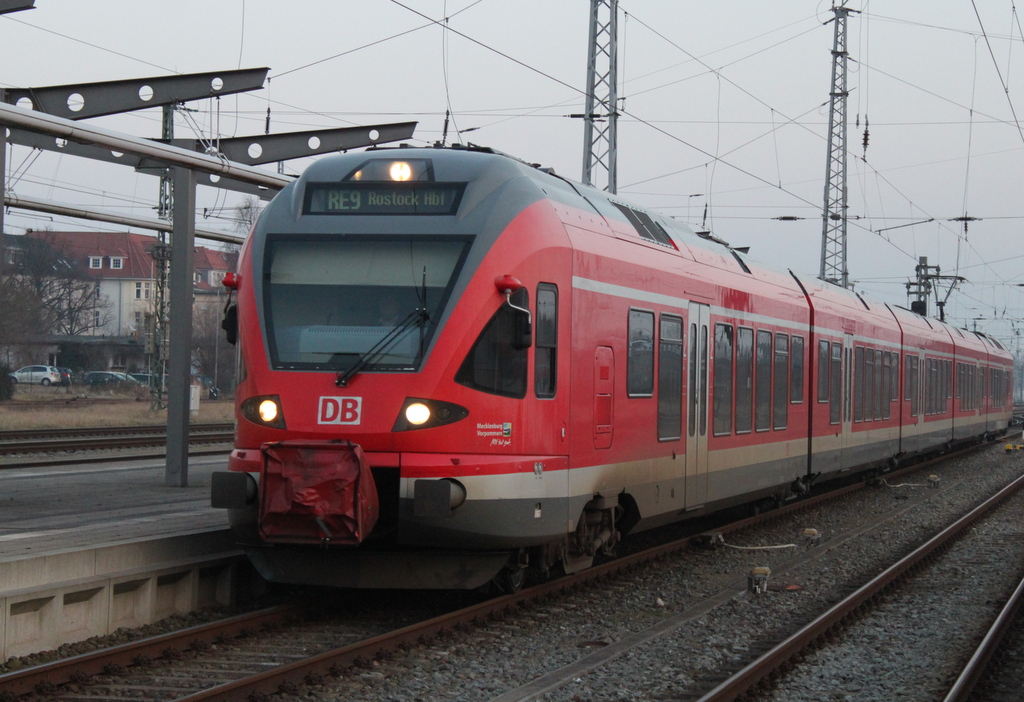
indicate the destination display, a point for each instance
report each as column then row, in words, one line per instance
column 382, row 198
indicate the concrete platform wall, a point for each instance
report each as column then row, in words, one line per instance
column 67, row 597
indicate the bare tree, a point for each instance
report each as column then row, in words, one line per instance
column 70, row 302
column 22, row 315
column 212, row 355
column 247, row 214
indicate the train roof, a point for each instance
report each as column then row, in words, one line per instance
column 521, row 184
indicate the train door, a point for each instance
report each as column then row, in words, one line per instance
column 846, row 439
column 697, row 406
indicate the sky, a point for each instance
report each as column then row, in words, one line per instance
column 724, row 120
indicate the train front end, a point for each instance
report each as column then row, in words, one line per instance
column 392, row 424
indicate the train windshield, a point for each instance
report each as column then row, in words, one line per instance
column 333, row 302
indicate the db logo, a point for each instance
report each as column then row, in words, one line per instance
column 339, row 410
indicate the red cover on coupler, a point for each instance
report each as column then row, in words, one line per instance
column 316, row 492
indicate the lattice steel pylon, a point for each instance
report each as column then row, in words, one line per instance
column 833, row 217
column 600, row 131
column 157, row 330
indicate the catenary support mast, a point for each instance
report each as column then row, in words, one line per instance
column 601, row 118
column 833, row 218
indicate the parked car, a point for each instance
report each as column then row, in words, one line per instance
column 65, row 375
column 95, row 378
column 44, row 375
column 147, row 379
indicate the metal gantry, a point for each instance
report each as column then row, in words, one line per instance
column 833, row 218
column 600, row 132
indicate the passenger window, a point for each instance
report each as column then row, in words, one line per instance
column 894, row 395
column 722, row 407
column 879, row 374
column 858, row 384
column 670, row 378
column 640, row 359
column 823, row 371
column 545, row 368
column 796, row 373
column 780, row 407
column 744, row 380
column 886, row 396
column 835, row 403
column 763, row 390
column 497, row 363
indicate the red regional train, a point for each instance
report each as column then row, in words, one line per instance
column 455, row 366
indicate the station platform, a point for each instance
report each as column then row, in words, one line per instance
column 87, row 549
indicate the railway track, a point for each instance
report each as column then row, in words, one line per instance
column 274, row 661
column 43, row 441
column 854, row 612
column 995, row 671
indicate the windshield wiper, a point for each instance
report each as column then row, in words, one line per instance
column 418, row 317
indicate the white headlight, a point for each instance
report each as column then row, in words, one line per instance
column 417, row 413
column 268, row 410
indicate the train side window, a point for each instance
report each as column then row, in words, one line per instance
column 640, row 359
column 703, row 409
column 858, row 385
column 886, row 396
column 722, row 402
column 780, row 407
column 895, row 383
column 692, row 414
column 670, row 378
column 880, row 372
column 959, row 385
column 869, row 384
column 835, row 413
column 914, row 379
column 796, row 370
column 497, row 363
column 744, row 380
column 545, row 370
column 763, row 382
column 823, row 371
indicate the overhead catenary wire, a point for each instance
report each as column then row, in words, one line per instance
column 995, row 63
column 776, row 177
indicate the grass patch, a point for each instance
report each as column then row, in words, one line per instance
column 74, row 408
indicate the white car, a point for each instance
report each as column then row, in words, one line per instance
column 44, row 375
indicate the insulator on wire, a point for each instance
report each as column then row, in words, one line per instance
column 866, row 134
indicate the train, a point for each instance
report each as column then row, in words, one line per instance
column 456, row 367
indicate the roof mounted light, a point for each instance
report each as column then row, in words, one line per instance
column 400, row 170
column 394, row 170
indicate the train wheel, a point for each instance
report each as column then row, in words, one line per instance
column 512, row 579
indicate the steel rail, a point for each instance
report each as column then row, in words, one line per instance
column 10, row 435
column 976, row 667
column 48, row 675
column 331, row 662
column 40, row 441
column 771, row 661
column 361, row 653
column 95, row 443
